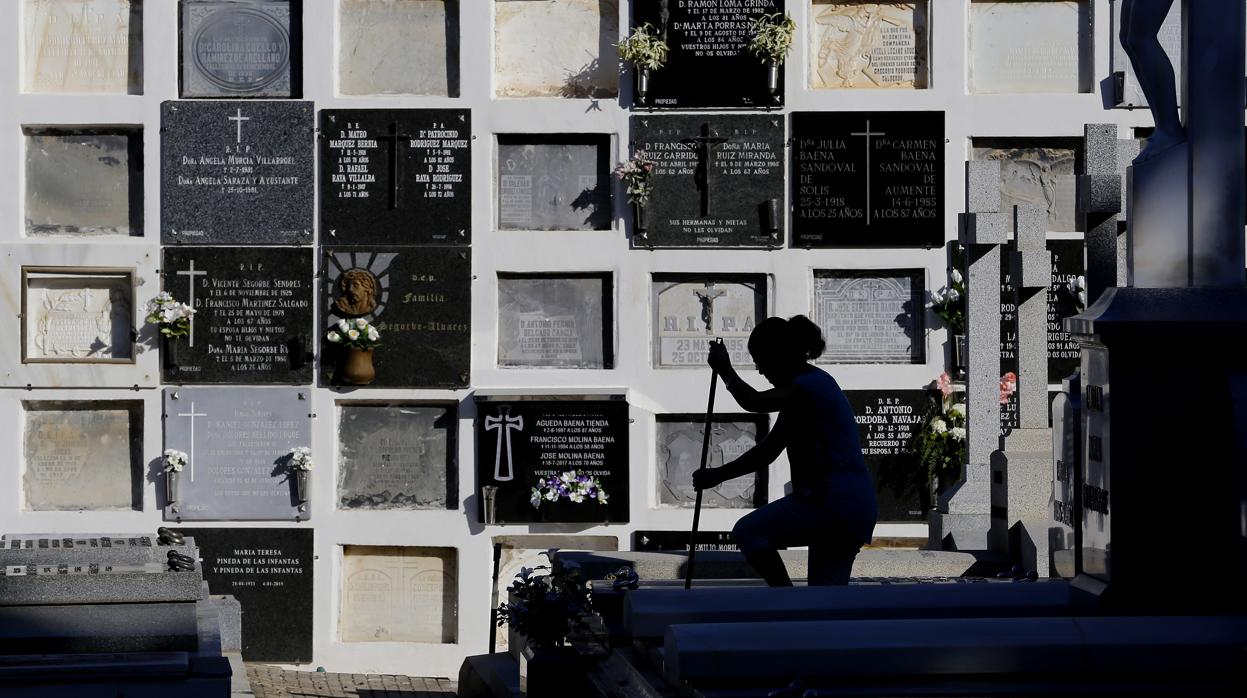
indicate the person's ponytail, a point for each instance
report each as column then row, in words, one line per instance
column 806, row 336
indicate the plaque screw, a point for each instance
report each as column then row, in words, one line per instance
column 175, row 395
column 302, row 507
column 462, row 233
column 175, row 509
column 302, row 396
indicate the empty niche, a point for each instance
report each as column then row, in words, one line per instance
column 1030, row 46
column 856, row 44
column 399, row 594
column 82, row 182
column 870, row 316
column 680, row 438
column 397, row 456
column 556, row 48
column 82, row 455
column 398, row 47
column 555, row 321
column 690, row 310
column 1038, row 172
column 77, row 315
column 554, row 182
column 83, row 46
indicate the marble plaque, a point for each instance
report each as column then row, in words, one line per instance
column 77, row 315
column 1038, row 172
column 253, row 315
column 521, row 441
column 555, row 321
column 83, row 46
column 399, row 594
column 86, row 182
column 1064, row 352
column 718, row 180
column 679, row 455
column 868, row 179
column 556, row 48
column 871, row 317
column 691, row 310
column 1030, row 46
column 237, row 440
column 237, row 172
column 396, row 176
column 239, row 48
column 397, row 456
column 554, row 182
column 857, row 44
column 419, row 298
column 887, row 421
column 398, row 47
column 83, row 455
column 709, row 65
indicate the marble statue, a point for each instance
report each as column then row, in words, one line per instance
column 1140, row 24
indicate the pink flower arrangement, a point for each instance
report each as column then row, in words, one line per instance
column 1008, row 386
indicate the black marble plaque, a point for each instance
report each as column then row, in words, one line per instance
column 887, row 422
column 253, row 315
column 869, row 179
column 708, row 63
column 1064, row 353
column 518, row 442
column 236, row 172
column 269, row 571
column 718, row 181
column 419, row 299
column 396, row 176
column 657, row 541
column 240, row 48
column 554, row 182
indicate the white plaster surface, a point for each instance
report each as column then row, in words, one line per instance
column 556, row 48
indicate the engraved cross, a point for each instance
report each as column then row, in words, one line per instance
column 238, row 118
column 868, row 134
column 394, row 137
column 504, row 423
column 706, row 142
column 707, row 298
column 190, row 275
column 192, row 415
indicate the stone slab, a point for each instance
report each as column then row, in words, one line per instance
column 240, row 48
column 238, row 441
column 396, row 176
column 122, row 549
column 397, row 456
column 554, row 182
column 399, row 594
column 236, row 172
column 1036, row 172
column 1067, row 264
column 404, row 47
column 84, row 182
column 52, row 587
column 679, row 442
column 547, row 321
column 83, row 456
column 647, row 541
column 870, row 317
column 1017, row 47
column 1099, row 193
column 691, row 309
column 868, row 179
column 983, row 186
column 984, row 228
column 579, row 64
column 253, row 315
column 98, row 628
column 856, row 45
column 82, row 46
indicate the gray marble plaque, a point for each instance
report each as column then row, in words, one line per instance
column 237, row 440
column 236, row 172
column 83, row 455
column 403, row 47
column 554, row 182
column 84, row 182
column 691, row 310
column 396, row 457
column 873, row 316
column 554, row 321
column 1036, row 172
column 679, row 455
column 237, row 48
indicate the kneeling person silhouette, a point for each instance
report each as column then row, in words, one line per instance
column 832, row 506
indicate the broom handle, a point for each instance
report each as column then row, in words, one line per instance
column 705, row 453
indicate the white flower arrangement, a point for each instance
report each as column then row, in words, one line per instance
column 573, row 485
column 357, row 333
column 301, row 458
column 175, row 460
column 957, row 433
column 173, row 318
column 1077, row 288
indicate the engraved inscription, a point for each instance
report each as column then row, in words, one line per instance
column 78, row 316
column 393, row 594
column 868, row 45
column 690, row 311
column 870, row 317
column 78, row 456
column 679, row 456
column 83, row 46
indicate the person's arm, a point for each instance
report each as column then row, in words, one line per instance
column 750, row 400
column 753, row 460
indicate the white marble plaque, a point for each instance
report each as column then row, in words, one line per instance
column 871, row 316
column 397, row 47
column 84, row 182
column 1036, row 174
column 83, row 46
column 395, row 456
column 546, row 321
column 82, row 455
column 1030, row 46
column 679, row 456
column 690, row 311
column 77, row 316
column 556, row 48
column 398, row 594
column 855, row 44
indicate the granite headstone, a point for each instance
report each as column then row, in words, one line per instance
column 240, row 48
column 887, row 422
column 519, row 442
column 679, row 444
column 560, row 321
column 871, row 316
column 690, row 310
column 397, row 456
column 873, row 179
column 718, row 180
column 84, row 182
column 418, row 298
column 237, row 441
column 253, row 315
column 1038, row 172
column 236, row 172
column 554, row 182
column 396, row 176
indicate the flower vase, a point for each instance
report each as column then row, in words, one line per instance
column 642, row 84
column 357, row 368
column 171, row 485
column 772, row 77
column 557, row 671
column 639, row 223
column 959, row 354
column 301, row 485
column 169, row 352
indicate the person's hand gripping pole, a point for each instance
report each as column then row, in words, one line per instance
column 716, row 349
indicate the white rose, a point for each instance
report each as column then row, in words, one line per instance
column 373, row 335
column 953, row 296
column 353, row 334
column 958, row 409
column 361, row 323
column 938, row 426
column 958, row 433
column 956, row 276
column 343, row 325
column 334, row 336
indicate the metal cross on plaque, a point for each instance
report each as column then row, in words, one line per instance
column 503, row 424
column 868, row 135
column 394, row 137
column 707, row 297
column 191, row 273
column 701, row 176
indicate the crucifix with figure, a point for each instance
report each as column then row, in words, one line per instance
column 394, row 137
column 868, row 134
column 705, row 142
column 707, row 297
column 190, row 273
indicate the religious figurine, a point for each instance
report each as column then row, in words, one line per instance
column 1140, row 24
column 357, row 293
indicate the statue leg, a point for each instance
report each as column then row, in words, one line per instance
column 1140, row 23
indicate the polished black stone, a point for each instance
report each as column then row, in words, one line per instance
column 887, row 422
column 253, row 315
column 1067, row 264
column 869, row 179
column 655, row 541
column 396, row 176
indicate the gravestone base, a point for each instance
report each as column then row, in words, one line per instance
column 961, row 521
column 1021, row 491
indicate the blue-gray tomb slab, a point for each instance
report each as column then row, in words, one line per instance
column 237, row 440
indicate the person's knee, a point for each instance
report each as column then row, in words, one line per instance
column 747, row 536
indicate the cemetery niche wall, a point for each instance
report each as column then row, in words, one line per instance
column 690, row 310
column 240, row 48
column 552, row 460
column 679, row 441
column 869, row 45
column 397, row 456
column 554, row 182
column 555, row 321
